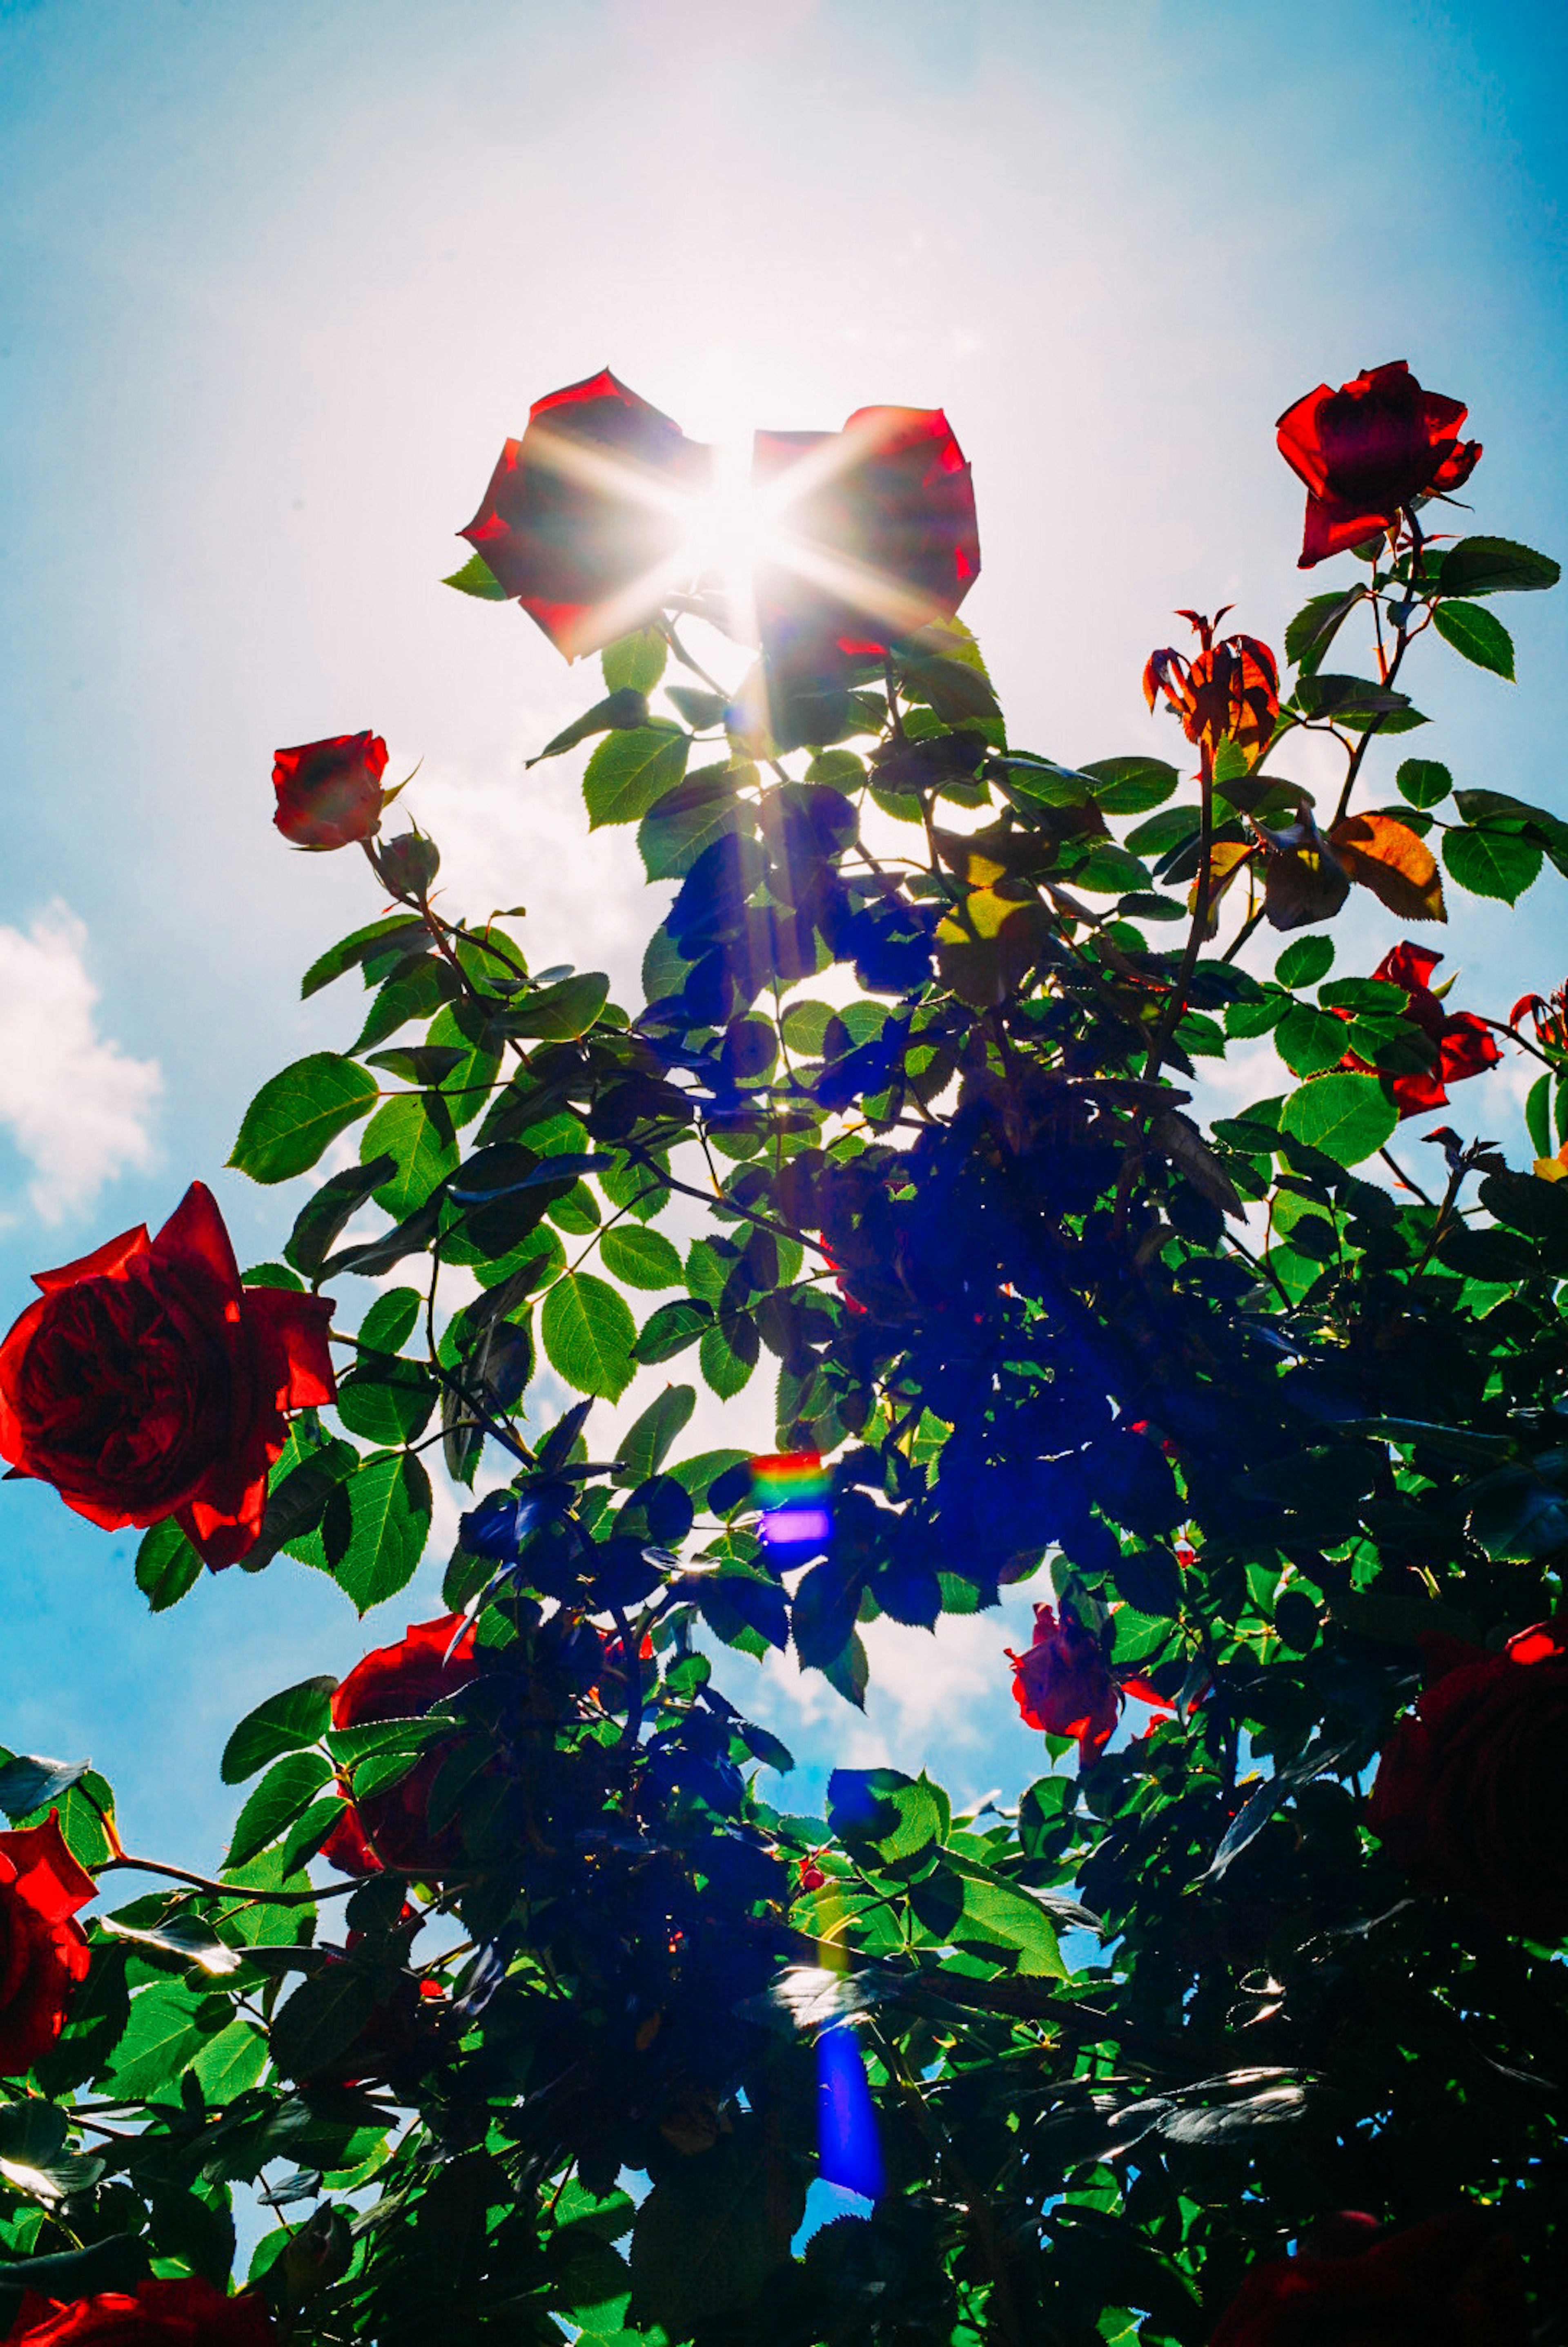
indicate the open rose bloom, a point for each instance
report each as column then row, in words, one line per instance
column 1449, row 2282
column 1062, row 1685
column 1368, row 451
column 43, row 1948
column 585, row 513
column 146, row 1382
column 401, row 1682
column 1465, row 1046
column 1469, row 1795
column 188, row 2312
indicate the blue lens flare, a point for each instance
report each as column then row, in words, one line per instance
column 848, row 2152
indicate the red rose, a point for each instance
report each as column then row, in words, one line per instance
column 145, row 1382
column 401, row 1682
column 1469, row 1791
column 1062, row 1685
column 1445, row 2283
column 185, row 2314
column 879, row 529
column 1368, row 451
column 330, row 792
column 583, row 512
column 1465, row 1044
column 43, row 1950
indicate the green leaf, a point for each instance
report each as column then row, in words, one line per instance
column 476, row 577
column 295, row 1114
column 1423, row 781
column 1537, row 1120
column 167, row 1567
column 229, row 2063
column 389, row 1504
column 1304, row 961
column 162, row 2035
column 29, row 1782
column 688, row 819
column 620, row 712
column 390, row 1319
column 1348, row 696
column 320, row 1220
column 562, row 1012
column 640, row 1258
column 1347, row 1117
column 699, row 707
column 728, row 1352
column 648, row 1441
column 421, row 1145
column 1496, row 566
column 882, row 1815
column 382, row 937
column 588, row 1333
column 1309, row 1041
column 1314, row 626
column 634, row 664
column 286, row 1722
column 1491, row 863
column 288, row 1788
column 385, row 1399
column 1002, row 1915
column 670, row 1329
column 630, row 773
column 712, row 2229
column 322, row 2020
column 1131, row 785
column 1476, row 635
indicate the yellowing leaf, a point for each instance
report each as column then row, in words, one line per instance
column 1388, row 858
column 987, row 946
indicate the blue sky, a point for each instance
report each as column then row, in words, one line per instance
column 277, row 280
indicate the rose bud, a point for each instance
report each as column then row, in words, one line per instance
column 1469, row 1791
column 145, row 1382
column 330, row 792
column 43, row 1949
column 583, row 514
column 1447, row 2279
column 178, row 2313
column 1368, row 451
column 403, row 1681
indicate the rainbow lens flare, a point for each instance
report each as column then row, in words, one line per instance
column 791, row 1488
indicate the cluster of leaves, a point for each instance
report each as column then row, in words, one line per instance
column 915, row 1047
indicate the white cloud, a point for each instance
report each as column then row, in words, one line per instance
column 75, row 1104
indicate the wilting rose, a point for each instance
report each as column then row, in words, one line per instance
column 1449, row 2282
column 1548, row 1015
column 1465, row 1044
column 188, row 2313
column 583, row 513
column 1062, row 1685
column 330, row 792
column 403, row 1681
column 1368, row 451
column 43, row 1950
column 1228, row 692
column 1469, row 1790
column 879, row 531
column 145, row 1382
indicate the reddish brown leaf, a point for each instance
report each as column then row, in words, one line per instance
column 1388, row 858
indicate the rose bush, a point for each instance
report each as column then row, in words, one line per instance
column 905, row 1121
column 146, row 1382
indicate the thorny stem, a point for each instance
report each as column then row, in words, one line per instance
column 225, row 1890
column 1176, row 1006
